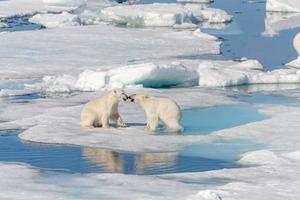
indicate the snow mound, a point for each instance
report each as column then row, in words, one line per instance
column 75, row 3
column 262, row 157
column 56, row 20
column 146, row 74
column 222, row 74
column 163, row 15
column 181, row 73
column 205, row 195
column 283, row 5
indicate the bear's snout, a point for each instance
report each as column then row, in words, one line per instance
column 131, row 98
column 125, row 97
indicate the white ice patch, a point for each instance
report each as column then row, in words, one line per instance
column 283, row 5
column 262, row 157
column 205, row 195
column 294, row 63
column 11, row 8
column 195, row 1
column 3, row 25
column 160, row 14
column 74, row 3
column 56, row 20
column 18, row 180
column 276, row 22
column 222, row 74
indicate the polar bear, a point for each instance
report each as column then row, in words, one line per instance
column 97, row 112
column 159, row 109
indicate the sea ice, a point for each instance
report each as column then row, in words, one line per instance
column 195, row 1
column 283, row 5
column 275, row 22
column 67, row 50
column 12, row 8
column 56, row 20
column 180, row 73
column 3, row 25
column 73, row 3
column 163, row 14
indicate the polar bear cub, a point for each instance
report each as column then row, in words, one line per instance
column 99, row 111
column 159, row 109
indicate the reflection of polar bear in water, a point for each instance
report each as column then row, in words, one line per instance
column 159, row 109
column 112, row 161
column 97, row 112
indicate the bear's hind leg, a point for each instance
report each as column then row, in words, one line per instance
column 87, row 120
column 173, row 125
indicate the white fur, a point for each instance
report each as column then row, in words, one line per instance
column 99, row 111
column 159, row 109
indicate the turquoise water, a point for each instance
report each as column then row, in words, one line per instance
column 206, row 120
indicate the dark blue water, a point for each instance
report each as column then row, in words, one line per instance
column 244, row 38
column 85, row 159
column 20, row 24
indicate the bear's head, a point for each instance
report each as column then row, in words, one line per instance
column 119, row 94
column 138, row 98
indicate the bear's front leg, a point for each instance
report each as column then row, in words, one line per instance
column 152, row 123
column 105, row 122
column 118, row 119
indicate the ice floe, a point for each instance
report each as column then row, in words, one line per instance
column 275, row 22
column 73, row 3
column 12, row 8
column 180, row 73
column 50, row 53
column 160, row 14
column 195, row 1
column 39, row 184
column 56, row 20
column 283, row 5
column 3, row 25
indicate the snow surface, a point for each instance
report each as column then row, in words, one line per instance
column 195, row 1
column 56, row 20
column 67, row 50
column 163, row 14
column 74, row 3
column 283, row 5
column 38, row 185
column 12, row 8
column 275, row 22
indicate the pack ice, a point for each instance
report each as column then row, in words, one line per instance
column 180, row 73
column 163, row 14
column 51, row 54
column 283, row 5
column 12, row 8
